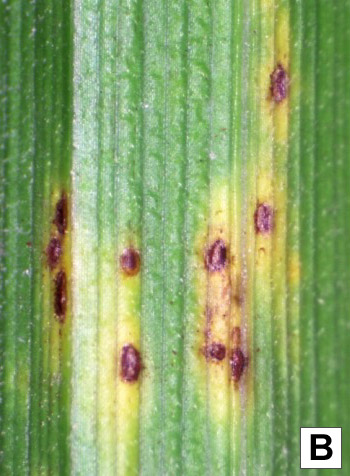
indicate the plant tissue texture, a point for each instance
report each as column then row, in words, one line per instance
column 175, row 234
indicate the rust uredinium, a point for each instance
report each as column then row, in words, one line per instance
column 264, row 218
column 130, row 261
column 60, row 298
column 130, row 363
column 279, row 83
column 53, row 252
column 238, row 363
column 215, row 351
column 216, row 256
column 61, row 214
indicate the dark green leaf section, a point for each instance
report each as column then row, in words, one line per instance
column 161, row 105
column 324, row 167
column 331, row 217
column 16, row 257
column 307, row 225
column 294, row 239
column 343, row 176
column 36, row 120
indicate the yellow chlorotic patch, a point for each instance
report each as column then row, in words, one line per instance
column 127, row 392
column 282, row 36
column 264, row 182
column 214, row 292
column 106, row 388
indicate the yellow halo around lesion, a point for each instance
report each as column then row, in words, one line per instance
column 217, row 303
column 127, row 393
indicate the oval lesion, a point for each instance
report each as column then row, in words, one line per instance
column 130, row 363
column 216, row 256
column 61, row 214
column 238, row 362
column 215, row 351
column 279, row 83
column 130, row 261
column 264, row 218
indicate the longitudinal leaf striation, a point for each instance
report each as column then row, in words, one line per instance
column 174, row 222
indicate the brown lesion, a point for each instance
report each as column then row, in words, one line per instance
column 130, row 261
column 216, row 351
column 54, row 257
column 61, row 214
column 216, row 256
column 279, row 83
column 226, row 292
column 218, row 298
column 54, row 248
column 264, row 218
column 130, row 363
column 60, row 296
column 238, row 363
column 53, row 252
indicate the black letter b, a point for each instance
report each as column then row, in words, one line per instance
column 324, row 446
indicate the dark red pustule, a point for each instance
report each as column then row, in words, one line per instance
column 237, row 363
column 61, row 214
column 216, row 256
column 60, row 300
column 130, row 363
column 279, row 83
column 130, row 261
column 263, row 218
column 53, row 252
column 216, row 351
